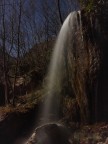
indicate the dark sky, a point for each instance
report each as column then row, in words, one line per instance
column 33, row 19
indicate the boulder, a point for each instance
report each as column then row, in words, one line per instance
column 50, row 134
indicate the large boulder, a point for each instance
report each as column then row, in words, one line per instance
column 50, row 134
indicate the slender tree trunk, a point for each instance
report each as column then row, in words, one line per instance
column 18, row 52
column 4, row 56
column 59, row 10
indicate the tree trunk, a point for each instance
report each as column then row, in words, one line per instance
column 4, row 55
column 60, row 15
column 18, row 52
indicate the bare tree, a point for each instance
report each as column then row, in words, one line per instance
column 4, row 53
column 18, row 49
column 59, row 10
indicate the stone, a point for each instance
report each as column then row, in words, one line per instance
column 50, row 134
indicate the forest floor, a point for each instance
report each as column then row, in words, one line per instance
column 91, row 134
column 23, row 104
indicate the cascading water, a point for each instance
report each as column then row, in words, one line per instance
column 55, row 76
column 57, row 67
column 50, row 110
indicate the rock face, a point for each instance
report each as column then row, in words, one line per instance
column 96, row 35
column 89, row 68
column 50, row 134
column 103, row 92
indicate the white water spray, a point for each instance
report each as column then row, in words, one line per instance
column 56, row 69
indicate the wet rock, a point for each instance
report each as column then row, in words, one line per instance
column 50, row 134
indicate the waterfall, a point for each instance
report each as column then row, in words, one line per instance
column 51, row 107
column 69, row 40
